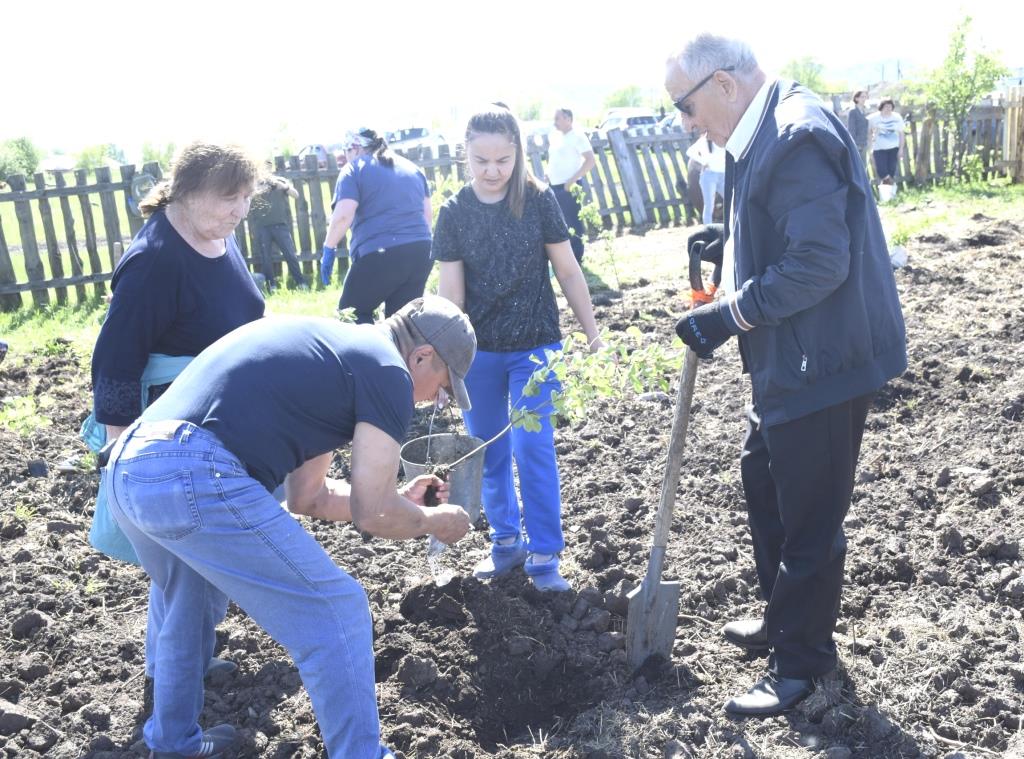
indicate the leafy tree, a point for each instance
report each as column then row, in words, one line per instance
column 807, row 72
column 530, row 111
column 162, row 154
column 18, row 156
column 629, row 96
column 957, row 85
column 97, row 156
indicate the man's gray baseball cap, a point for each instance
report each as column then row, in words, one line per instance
column 446, row 328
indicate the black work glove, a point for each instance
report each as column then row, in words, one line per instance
column 713, row 237
column 705, row 328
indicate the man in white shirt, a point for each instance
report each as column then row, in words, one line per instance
column 570, row 158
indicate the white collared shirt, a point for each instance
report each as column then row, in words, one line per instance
column 737, row 145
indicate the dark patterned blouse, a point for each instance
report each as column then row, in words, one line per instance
column 509, row 298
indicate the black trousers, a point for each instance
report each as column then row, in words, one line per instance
column 798, row 479
column 571, row 212
column 887, row 162
column 392, row 277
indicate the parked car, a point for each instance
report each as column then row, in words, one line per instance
column 672, row 121
column 536, row 129
column 626, row 118
column 414, row 137
column 321, row 152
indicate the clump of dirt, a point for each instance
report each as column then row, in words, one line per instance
column 930, row 632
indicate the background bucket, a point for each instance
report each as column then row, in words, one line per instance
column 465, row 480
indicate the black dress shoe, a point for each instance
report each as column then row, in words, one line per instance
column 771, row 695
column 747, row 633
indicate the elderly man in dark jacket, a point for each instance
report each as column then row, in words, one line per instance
column 810, row 292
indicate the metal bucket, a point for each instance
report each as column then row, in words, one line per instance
column 465, row 480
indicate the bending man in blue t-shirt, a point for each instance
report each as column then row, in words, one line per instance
column 190, row 484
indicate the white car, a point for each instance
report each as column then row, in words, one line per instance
column 626, row 118
column 321, row 152
column 414, row 137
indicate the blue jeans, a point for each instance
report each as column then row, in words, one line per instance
column 203, row 528
column 493, row 381
column 711, row 182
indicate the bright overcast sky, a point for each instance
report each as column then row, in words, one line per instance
column 83, row 73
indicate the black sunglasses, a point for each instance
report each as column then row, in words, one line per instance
column 681, row 102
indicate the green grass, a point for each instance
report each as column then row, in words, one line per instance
column 946, row 208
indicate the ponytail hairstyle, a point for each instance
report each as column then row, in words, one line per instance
column 368, row 140
column 499, row 120
column 201, row 167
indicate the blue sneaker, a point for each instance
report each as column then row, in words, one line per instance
column 215, row 742
column 503, row 559
column 544, row 574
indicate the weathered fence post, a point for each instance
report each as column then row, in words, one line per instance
column 111, row 221
column 29, row 246
column 1013, row 134
column 69, row 234
column 629, row 176
column 50, row 235
column 10, row 301
column 91, row 240
column 134, row 222
column 316, row 203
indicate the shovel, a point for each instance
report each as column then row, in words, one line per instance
column 654, row 606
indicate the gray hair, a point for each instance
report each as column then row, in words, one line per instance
column 707, row 53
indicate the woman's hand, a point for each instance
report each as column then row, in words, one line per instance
column 416, row 491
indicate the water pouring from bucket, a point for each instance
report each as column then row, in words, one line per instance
column 456, row 459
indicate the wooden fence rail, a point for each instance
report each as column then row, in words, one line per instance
column 50, row 243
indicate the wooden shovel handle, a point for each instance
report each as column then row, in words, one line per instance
column 680, row 423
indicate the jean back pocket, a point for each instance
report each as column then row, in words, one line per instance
column 162, row 507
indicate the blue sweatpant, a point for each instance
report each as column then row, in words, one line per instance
column 494, row 382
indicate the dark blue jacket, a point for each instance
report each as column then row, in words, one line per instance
column 812, row 266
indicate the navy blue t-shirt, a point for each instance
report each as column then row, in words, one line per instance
column 390, row 210
column 168, row 298
column 283, row 390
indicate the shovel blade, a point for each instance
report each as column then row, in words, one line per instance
column 651, row 622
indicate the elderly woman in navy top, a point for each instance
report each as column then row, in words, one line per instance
column 495, row 240
column 384, row 198
column 182, row 285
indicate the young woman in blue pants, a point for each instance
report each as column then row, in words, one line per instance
column 495, row 240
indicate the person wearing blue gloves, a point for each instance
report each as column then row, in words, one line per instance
column 809, row 292
column 384, row 198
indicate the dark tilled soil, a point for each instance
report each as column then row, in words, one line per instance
column 930, row 629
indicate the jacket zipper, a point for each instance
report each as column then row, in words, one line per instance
column 803, row 354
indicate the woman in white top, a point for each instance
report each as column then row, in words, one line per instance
column 711, row 157
column 887, row 141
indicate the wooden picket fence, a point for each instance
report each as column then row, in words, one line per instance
column 1013, row 134
column 641, row 179
column 638, row 181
